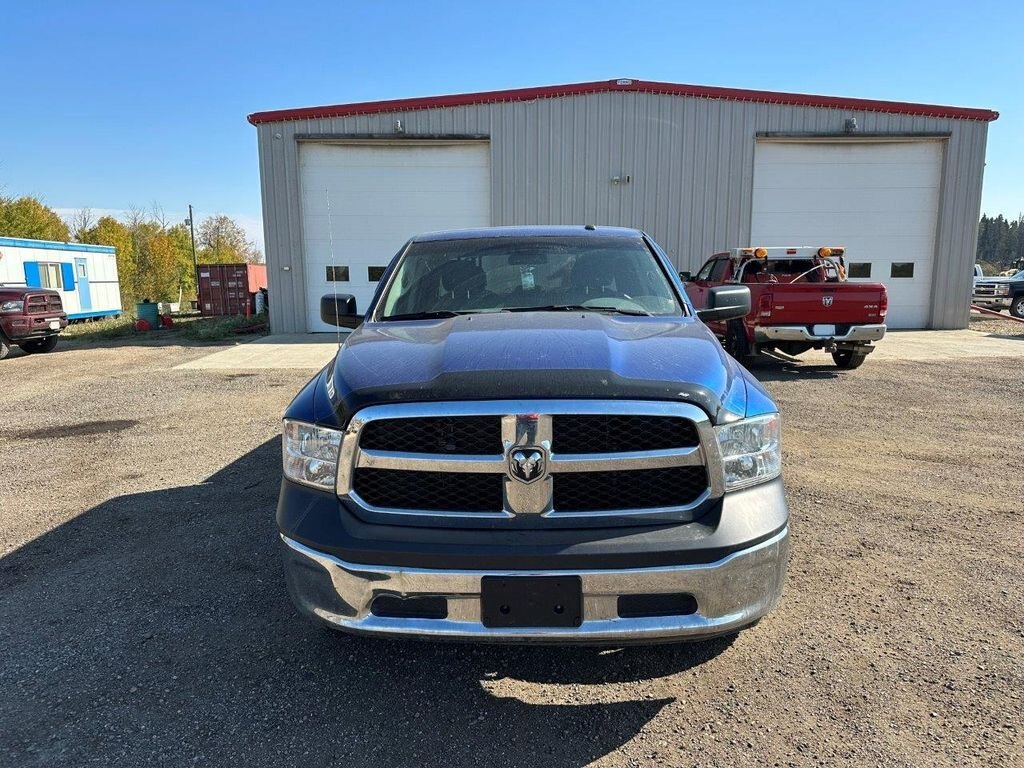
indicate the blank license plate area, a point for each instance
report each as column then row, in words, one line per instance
column 531, row 601
column 824, row 330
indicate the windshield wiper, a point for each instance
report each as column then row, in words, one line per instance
column 580, row 308
column 432, row 315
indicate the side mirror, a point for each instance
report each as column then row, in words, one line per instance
column 340, row 309
column 726, row 302
column 686, row 276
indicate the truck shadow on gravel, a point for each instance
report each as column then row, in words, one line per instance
column 156, row 628
column 767, row 368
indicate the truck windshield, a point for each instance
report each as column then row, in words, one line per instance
column 600, row 274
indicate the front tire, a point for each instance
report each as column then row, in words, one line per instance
column 848, row 359
column 40, row 345
column 1017, row 306
column 736, row 342
column 5, row 346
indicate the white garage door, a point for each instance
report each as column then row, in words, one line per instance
column 879, row 200
column 361, row 203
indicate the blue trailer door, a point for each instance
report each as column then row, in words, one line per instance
column 82, row 273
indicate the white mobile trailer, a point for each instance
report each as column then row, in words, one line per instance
column 85, row 275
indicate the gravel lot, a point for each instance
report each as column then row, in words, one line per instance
column 144, row 619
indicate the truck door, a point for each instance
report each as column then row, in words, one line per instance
column 711, row 274
column 82, row 273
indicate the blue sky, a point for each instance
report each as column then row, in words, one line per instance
column 109, row 105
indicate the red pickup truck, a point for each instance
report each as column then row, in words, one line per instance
column 800, row 300
column 32, row 318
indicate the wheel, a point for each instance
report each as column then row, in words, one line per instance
column 848, row 359
column 1017, row 306
column 736, row 342
column 40, row 345
column 5, row 346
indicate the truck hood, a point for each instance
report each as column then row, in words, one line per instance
column 537, row 355
column 11, row 292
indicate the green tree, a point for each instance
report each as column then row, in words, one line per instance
column 181, row 241
column 110, row 231
column 28, row 217
column 222, row 241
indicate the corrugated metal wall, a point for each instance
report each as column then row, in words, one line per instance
column 690, row 163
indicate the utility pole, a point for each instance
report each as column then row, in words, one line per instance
column 195, row 262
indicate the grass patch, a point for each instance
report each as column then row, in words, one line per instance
column 219, row 328
column 186, row 327
column 100, row 330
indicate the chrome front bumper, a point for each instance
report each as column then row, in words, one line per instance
column 731, row 593
column 989, row 302
column 764, row 333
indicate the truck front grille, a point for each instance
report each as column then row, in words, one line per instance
column 529, row 463
column 617, row 433
column 44, row 302
column 435, row 434
column 432, row 491
column 645, row 489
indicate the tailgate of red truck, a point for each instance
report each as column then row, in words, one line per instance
column 822, row 304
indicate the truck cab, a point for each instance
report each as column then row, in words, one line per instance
column 31, row 318
column 532, row 436
column 800, row 300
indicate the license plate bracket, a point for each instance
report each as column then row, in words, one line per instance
column 531, row 601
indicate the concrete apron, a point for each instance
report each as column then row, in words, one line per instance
column 314, row 350
column 300, row 350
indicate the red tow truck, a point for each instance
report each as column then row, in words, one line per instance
column 800, row 300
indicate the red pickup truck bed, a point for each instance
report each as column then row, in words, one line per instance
column 799, row 301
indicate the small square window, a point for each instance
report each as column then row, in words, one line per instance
column 901, row 269
column 859, row 269
column 337, row 274
column 81, row 270
column 373, row 274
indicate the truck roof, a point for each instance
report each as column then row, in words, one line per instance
column 529, row 231
column 21, row 290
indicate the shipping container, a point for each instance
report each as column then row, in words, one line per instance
column 230, row 289
column 85, row 275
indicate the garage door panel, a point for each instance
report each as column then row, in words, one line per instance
column 874, row 201
column 880, row 200
column 835, row 224
column 398, row 181
column 361, row 203
column 866, row 176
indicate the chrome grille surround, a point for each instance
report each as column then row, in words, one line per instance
column 526, row 425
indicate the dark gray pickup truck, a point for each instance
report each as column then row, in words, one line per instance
column 531, row 436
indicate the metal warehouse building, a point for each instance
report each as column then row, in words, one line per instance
column 701, row 169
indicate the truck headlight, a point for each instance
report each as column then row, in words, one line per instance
column 751, row 450
column 12, row 306
column 310, row 454
column 1002, row 289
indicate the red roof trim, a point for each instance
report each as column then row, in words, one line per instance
column 607, row 86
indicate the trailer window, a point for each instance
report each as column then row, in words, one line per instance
column 860, row 269
column 50, row 276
